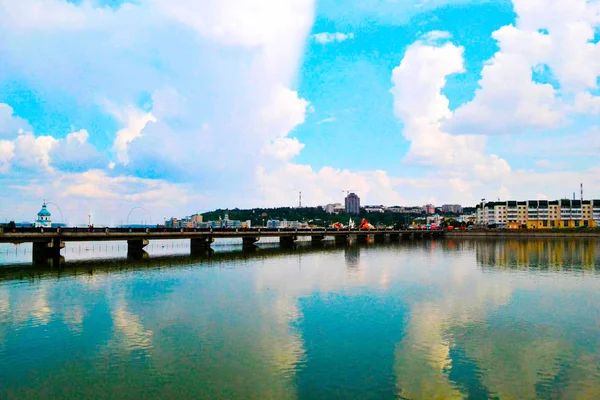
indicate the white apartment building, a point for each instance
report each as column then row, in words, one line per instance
column 540, row 214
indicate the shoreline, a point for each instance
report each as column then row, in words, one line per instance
column 519, row 234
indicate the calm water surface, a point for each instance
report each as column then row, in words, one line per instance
column 447, row 319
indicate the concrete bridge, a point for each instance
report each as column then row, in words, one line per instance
column 47, row 242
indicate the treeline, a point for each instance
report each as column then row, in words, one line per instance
column 311, row 215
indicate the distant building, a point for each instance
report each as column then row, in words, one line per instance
column 352, row 204
column 435, row 219
column 375, row 209
column 44, row 218
column 273, row 224
column 414, row 210
column 196, row 221
column 429, row 209
column 467, row 218
column 277, row 224
column 395, row 209
column 333, row 208
column 172, row 223
column 452, row 208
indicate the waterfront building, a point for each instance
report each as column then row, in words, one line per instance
column 352, row 204
column 435, row 219
column 374, row 209
column 467, row 218
column 44, row 218
column 539, row 214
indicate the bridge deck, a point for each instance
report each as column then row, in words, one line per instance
column 25, row 235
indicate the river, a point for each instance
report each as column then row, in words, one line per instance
column 448, row 319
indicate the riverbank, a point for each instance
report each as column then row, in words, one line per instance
column 516, row 234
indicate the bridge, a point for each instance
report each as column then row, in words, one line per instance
column 47, row 242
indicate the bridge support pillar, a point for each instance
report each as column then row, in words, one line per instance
column 341, row 239
column 47, row 252
column 362, row 238
column 317, row 239
column 137, row 255
column 287, row 241
column 379, row 238
column 201, row 245
column 249, row 241
column 136, row 246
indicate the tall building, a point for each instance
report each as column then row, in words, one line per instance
column 540, row 214
column 44, row 218
column 429, row 209
column 353, row 204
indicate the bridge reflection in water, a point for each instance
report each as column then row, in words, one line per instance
column 48, row 243
column 511, row 255
column 59, row 267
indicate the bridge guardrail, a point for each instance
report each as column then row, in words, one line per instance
column 109, row 230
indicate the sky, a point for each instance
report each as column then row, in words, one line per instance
column 151, row 108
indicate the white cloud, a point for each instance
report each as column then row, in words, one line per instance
column 586, row 103
column 418, row 101
column 283, row 148
column 107, row 198
column 434, row 37
column 283, row 112
column 135, row 122
column 7, row 149
column 33, row 152
column 327, row 120
column 555, row 36
column 44, row 153
column 219, row 75
column 543, row 163
column 327, row 37
column 235, row 22
column 281, row 186
column 9, row 123
column 74, row 153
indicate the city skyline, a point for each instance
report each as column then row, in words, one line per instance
column 193, row 105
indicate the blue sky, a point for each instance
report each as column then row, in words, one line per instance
column 185, row 106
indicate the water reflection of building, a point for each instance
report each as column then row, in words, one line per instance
column 352, row 256
column 540, row 254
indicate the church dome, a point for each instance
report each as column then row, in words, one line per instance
column 44, row 212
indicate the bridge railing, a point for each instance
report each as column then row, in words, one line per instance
column 109, row 230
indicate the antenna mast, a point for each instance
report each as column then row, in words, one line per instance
column 582, row 193
column 299, row 199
